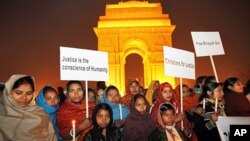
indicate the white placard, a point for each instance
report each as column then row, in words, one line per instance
column 223, row 125
column 207, row 43
column 179, row 63
column 83, row 64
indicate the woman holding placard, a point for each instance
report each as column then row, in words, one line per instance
column 212, row 97
column 74, row 109
column 236, row 104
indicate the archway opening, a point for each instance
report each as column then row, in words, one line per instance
column 134, row 69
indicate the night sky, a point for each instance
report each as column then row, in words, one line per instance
column 31, row 32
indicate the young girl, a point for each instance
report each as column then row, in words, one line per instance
column 167, row 131
column 139, row 122
column 112, row 98
column 236, row 104
column 74, row 108
column 205, row 127
column 103, row 129
column 20, row 118
column 49, row 100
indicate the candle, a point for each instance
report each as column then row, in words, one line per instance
column 74, row 129
column 120, row 109
column 204, row 103
column 216, row 104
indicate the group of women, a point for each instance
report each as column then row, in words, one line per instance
column 154, row 116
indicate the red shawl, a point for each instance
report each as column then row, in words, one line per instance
column 69, row 111
column 159, row 101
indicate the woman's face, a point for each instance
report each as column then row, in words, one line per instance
column 218, row 93
column 91, row 96
column 23, row 95
column 185, row 91
column 113, row 96
column 100, row 94
column 134, row 88
column 75, row 92
column 168, row 117
column 103, row 118
column 167, row 94
column 140, row 105
column 237, row 87
column 51, row 98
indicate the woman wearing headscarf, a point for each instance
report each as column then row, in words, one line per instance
column 133, row 88
column 20, row 118
column 103, row 130
column 48, row 99
column 165, row 94
column 111, row 96
column 139, row 123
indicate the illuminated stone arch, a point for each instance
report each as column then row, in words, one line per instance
column 136, row 27
column 135, row 46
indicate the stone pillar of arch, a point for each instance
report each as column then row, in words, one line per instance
column 136, row 27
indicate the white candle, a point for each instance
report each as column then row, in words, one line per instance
column 87, row 99
column 74, row 129
column 216, row 104
column 120, row 109
column 204, row 103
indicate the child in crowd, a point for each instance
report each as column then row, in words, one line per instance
column 205, row 127
column 167, row 131
column 49, row 100
column 139, row 122
column 103, row 129
column 74, row 108
column 112, row 97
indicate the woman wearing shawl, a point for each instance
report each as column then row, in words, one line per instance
column 167, row 131
column 166, row 94
column 20, row 118
column 133, row 88
column 49, row 100
column 139, row 123
column 73, row 108
column 236, row 104
column 112, row 98
column 103, row 129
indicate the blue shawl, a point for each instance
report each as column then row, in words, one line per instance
column 40, row 101
column 115, row 108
